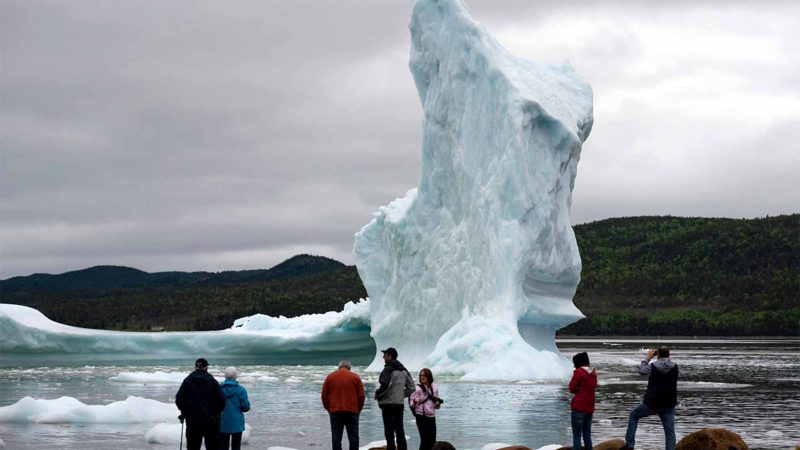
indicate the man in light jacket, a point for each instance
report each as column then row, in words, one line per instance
column 343, row 397
column 395, row 384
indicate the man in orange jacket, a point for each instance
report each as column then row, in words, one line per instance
column 343, row 398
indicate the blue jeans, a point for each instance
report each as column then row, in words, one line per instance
column 581, row 426
column 339, row 421
column 667, row 416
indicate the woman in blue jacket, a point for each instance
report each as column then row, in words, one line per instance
column 231, row 425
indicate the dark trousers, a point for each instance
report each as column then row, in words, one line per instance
column 427, row 431
column 232, row 441
column 581, row 426
column 393, row 426
column 341, row 420
column 196, row 433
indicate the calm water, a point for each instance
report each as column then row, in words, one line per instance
column 750, row 387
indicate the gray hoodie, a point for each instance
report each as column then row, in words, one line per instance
column 662, row 383
column 395, row 384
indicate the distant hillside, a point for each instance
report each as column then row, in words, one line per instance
column 118, row 277
column 641, row 276
column 112, row 297
column 689, row 276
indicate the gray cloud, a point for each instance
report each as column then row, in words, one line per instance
column 211, row 136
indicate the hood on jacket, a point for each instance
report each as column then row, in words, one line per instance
column 588, row 369
column 230, row 388
column 395, row 365
column 663, row 365
column 201, row 377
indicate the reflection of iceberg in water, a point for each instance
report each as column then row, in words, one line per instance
column 260, row 339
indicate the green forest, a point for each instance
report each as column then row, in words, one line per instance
column 668, row 276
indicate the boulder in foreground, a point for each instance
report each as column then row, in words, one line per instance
column 712, row 439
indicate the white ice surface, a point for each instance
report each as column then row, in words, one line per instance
column 25, row 330
column 473, row 271
column 71, row 410
column 170, row 433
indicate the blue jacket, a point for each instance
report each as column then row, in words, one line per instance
column 236, row 403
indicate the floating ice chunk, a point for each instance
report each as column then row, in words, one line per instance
column 157, row 377
column 71, row 410
column 170, row 433
column 480, row 260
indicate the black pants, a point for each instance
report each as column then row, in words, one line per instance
column 427, row 431
column 393, row 425
column 341, row 420
column 231, row 440
column 198, row 432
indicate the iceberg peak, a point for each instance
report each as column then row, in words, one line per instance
column 474, row 271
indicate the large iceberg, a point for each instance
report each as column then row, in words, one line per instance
column 26, row 333
column 473, row 271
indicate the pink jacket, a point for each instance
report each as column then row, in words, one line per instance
column 427, row 408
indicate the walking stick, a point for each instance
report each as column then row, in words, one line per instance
column 180, row 447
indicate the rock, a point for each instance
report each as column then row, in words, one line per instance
column 712, row 439
column 443, row 445
column 613, row 444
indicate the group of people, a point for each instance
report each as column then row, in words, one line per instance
column 343, row 397
column 214, row 412
column 660, row 398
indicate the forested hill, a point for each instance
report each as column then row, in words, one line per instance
column 115, row 277
column 689, row 276
column 641, row 276
column 122, row 298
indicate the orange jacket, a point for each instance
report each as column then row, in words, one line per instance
column 343, row 391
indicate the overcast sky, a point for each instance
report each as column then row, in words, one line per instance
column 207, row 135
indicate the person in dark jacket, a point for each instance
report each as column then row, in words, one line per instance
column 201, row 403
column 395, row 384
column 660, row 397
column 231, row 426
column 583, row 384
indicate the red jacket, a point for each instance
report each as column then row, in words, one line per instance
column 343, row 391
column 583, row 385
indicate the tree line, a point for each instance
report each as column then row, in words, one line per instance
column 641, row 276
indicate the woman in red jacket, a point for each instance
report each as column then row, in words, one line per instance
column 583, row 385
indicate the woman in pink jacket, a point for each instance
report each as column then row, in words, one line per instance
column 424, row 402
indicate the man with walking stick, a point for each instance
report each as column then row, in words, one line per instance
column 201, row 403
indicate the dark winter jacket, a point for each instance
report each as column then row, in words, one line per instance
column 662, row 384
column 200, row 398
column 236, row 403
column 583, row 385
column 395, row 384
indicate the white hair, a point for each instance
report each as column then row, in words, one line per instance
column 345, row 363
column 231, row 373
